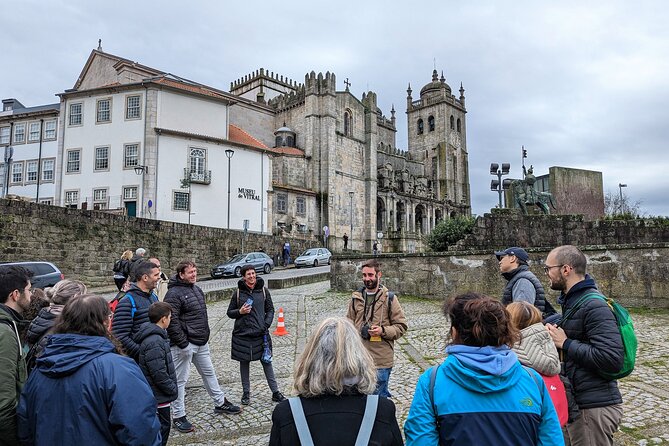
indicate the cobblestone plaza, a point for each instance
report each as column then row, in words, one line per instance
column 645, row 392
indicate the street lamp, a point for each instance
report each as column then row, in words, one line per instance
column 185, row 183
column 620, row 188
column 229, row 153
column 350, row 210
column 498, row 185
column 141, row 170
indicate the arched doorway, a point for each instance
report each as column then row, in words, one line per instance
column 419, row 218
column 399, row 215
column 380, row 215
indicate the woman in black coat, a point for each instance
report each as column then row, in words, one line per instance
column 252, row 308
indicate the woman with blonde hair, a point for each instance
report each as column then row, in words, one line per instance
column 334, row 379
column 535, row 348
column 122, row 269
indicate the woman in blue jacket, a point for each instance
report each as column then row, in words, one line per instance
column 82, row 390
column 481, row 395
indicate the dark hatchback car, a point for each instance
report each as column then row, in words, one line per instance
column 233, row 267
column 45, row 274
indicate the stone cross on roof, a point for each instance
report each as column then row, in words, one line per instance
column 347, row 83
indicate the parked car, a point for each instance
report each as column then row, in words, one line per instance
column 313, row 257
column 45, row 274
column 233, row 267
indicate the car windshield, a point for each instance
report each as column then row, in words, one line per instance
column 237, row 258
column 310, row 252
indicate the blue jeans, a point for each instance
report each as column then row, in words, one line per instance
column 382, row 378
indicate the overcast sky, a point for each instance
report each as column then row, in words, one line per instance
column 579, row 84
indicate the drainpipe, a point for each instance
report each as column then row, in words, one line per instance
column 39, row 158
column 262, row 190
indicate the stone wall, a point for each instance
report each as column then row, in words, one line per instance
column 85, row 244
column 634, row 275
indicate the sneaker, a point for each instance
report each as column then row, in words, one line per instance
column 277, row 397
column 246, row 398
column 227, row 407
column 183, row 425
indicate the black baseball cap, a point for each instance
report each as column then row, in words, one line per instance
column 520, row 253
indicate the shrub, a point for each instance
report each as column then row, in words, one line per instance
column 449, row 231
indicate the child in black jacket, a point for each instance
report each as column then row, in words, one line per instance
column 155, row 360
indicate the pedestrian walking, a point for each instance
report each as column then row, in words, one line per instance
column 253, row 311
column 345, row 239
column 122, row 269
column 334, row 380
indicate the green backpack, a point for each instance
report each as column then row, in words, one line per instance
column 626, row 327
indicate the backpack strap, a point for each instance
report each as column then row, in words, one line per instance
column 433, row 380
column 541, row 386
column 391, row 297
column 365, row 432
column 577, row 305
column 300, row 421
column 132, row 304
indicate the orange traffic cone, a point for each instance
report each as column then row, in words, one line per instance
column 280, row 325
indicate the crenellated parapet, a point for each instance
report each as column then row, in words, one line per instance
column 289, row 100
column 265, row 75
column 320, row 84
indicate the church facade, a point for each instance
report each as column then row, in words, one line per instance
column 337, row 168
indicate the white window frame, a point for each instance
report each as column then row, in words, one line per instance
column 128, row 195
column 100, row 198
column 5, row 134
column 49, row 129
column 68, row 161
column 48, row 201
column 126, row 159
column 136, row 111
column 16, row 172
column 71, row 198
column 101, row 113
column 33, row 135
column 45, row 163
column 35, row 165
column 22, row 126
column 73, row 116
column 197, row 167
column 184, row 194
column 101, row 167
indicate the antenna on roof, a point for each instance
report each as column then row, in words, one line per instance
column 99, row 44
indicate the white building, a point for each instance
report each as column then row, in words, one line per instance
column 133, row 137
column 30, row 134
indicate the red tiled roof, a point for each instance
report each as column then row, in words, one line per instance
column 236, row 134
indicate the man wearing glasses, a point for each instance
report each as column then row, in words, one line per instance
column 589, row 340
column 522, row 285
column 15, row 294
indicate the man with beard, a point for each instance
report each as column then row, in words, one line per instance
column 589, row 340
column 379, row 317
column 15, row 296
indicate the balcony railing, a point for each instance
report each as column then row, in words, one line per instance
column 197, row 177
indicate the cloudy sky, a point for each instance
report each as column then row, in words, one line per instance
column 579, row 84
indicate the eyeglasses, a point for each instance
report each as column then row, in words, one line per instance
column 548, row 268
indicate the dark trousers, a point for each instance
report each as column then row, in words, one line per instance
column 165, row 423
column 119, row 282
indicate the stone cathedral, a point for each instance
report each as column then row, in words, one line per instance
column 336, row 163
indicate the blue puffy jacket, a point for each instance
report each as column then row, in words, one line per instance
column 483, row 397
column 81, row 390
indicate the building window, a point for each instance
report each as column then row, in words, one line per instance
column 301, row 205
column 31, row 171
column 19, row 133
column 452, row 122
column 130, row 193
column 132, row 107
column 4, row 135
column 348, row 123
column 99, row 198
column 48, row 201
column 72, row 199
column 459, row 126
column 282, row 203
column 73, row 161
column 103, row 110
column 102, row 158
column 131, row 155
column 180, row 201
column 198, row 163
column 33, row 134
column 430, row 123
column 17, row 172
column 50, row 129
column 47, row 169
column 76, row 115
column 420, row 127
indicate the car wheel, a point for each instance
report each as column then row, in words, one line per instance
column 315, row 263
column 267, row 269
column 329, row 260
column 238, row 271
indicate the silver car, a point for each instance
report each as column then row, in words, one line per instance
column 233, row 267
column 313, row 257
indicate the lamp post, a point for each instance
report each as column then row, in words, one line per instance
column 498, row 185
column 350, row 210
column 141, row 170
column 229, row 153
column 185, row 183
column 620, row 188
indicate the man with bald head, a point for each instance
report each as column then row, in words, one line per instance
column 589, row 341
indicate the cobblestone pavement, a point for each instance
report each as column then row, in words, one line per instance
column 645, row 392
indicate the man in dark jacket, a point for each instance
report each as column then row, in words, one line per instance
column 589, row 340
column 132, row 310
column 189, row 338
column 15, row 296
column 522, row 285
column 156, row 363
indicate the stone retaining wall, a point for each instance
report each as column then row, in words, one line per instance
column 634, row 275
